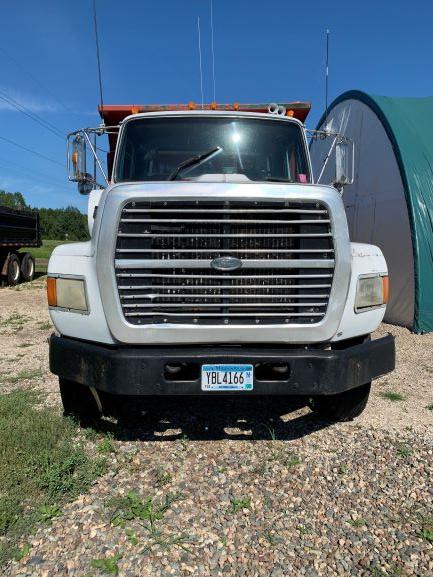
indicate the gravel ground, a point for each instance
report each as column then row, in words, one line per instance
column 243, row 487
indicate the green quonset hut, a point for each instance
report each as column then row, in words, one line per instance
column 390, row 203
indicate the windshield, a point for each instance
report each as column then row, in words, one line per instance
column 258, row 149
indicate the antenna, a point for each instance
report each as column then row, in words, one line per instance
column 98, row 59
column 200, row 61
column 213, row 50
column 326, row 77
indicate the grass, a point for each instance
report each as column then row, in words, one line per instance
column 43, row 465
column 44, row 251
column 392, row 396
column 15, row 320
column 24, row 375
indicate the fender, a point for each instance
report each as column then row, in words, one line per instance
column 366, row 259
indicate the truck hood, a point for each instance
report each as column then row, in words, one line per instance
column 218, row 188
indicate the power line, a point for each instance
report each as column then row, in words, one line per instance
column 213, row 49
column 47, row 178
column 98, row 58
column 15, row 103
column 34, row 79
column 31, row 151
column 21, row 108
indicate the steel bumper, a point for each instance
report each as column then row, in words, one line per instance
column 142, row 370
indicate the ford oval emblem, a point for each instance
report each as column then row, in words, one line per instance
column 226, row 263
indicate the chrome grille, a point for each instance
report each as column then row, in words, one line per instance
column 164, row 252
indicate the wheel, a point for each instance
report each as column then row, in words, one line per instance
column 13, row 269
column 342, row 407
column 27, row 267
column 78, row 401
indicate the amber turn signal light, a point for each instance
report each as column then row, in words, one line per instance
column 385, row 288
column 51, row 292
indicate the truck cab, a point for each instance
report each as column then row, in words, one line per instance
column 216, row 265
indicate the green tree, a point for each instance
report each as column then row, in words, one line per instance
column 12, row 199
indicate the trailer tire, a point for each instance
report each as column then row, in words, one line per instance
column 343, row 406
column 27, row 267
column 78, row 402
column 13, row 269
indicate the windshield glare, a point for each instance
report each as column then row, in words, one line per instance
column 258, row 149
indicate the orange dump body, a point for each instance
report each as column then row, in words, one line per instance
column 112, row 115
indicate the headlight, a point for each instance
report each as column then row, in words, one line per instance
column 372, row 291
column 67, row 293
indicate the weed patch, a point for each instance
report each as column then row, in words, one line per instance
column 237, row 505
column 15, row 321
column 42, row 466
column 162, row 478
column 356, row 523
column 392, row 396
column 107, row 565
column 148, row 514
column 106, row 446
column 404, row 450
column 426, row 531
column 25, row 375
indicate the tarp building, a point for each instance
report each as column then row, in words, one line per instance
column 390, row 203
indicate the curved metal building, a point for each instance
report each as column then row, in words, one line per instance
column 390, row 203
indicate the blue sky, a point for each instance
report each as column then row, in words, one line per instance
column 264, row 51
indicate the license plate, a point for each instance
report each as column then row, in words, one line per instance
column 227, row 377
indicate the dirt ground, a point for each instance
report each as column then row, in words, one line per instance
column 250, row 489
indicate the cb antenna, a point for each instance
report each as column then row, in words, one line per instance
column 200, row 61
column 98, row 58
column 213, row 49
column 326, row 78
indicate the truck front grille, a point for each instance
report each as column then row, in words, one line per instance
column 165, row 249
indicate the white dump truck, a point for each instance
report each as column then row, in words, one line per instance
column 217, row 265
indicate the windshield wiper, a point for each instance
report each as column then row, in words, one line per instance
column 193, row 161
column 276, row 179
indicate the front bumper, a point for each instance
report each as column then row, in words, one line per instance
column 142, row 370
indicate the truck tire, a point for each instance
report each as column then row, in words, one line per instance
column 78, row 402
column 13, row 269
column 343, row 406
column 27, row 267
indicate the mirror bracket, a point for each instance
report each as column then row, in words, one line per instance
column 77, row 143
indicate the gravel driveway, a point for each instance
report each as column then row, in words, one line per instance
column 244, row 487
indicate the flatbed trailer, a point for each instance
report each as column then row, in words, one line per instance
column 18, row 229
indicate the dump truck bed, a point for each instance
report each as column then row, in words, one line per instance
column 19, row 228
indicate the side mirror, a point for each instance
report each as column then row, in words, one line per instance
column 344, row 164
column 78, row 159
